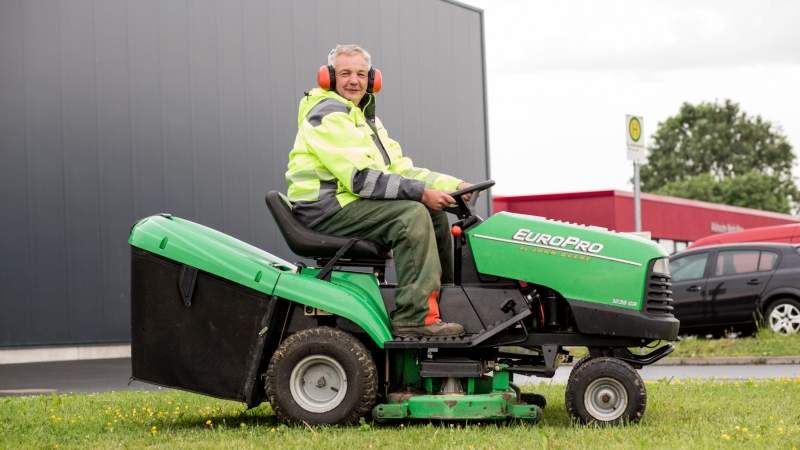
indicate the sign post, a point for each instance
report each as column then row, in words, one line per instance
column 634, row 135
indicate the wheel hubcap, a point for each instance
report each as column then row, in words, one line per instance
column 318, row 383
column 606, row 399
column 785, row 318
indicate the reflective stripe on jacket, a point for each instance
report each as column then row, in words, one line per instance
column 337, row 158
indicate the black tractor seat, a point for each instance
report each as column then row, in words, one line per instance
column 322, row 247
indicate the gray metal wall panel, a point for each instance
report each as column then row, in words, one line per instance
column 147, row 133
column 117, row 109
column 261, row 147
column 175, row 109
column 15, row 230
column 116, row 161
column 233, row 123
column 81, row 168
column 45, row 182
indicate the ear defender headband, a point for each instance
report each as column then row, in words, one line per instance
column 326, row 79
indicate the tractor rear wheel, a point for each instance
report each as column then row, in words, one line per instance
column 605, row 391
column 321, row 376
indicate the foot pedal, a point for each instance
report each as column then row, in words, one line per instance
column 430, row 342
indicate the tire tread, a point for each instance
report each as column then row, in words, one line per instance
column 573, row 397
column 314, row 336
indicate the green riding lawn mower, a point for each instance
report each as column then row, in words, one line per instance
column 214, row 315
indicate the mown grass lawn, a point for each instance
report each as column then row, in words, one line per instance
column 764, row 343
column 680, row 414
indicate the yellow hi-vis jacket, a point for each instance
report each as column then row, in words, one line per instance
column 337, row 158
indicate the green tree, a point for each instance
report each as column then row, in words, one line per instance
column 716, row 152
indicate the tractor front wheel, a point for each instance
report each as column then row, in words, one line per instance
column 321, row 376
column 605, row 391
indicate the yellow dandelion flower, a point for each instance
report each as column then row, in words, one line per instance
column 744, row 429
column 780, row 429
column 272, row 430
column 726, row 437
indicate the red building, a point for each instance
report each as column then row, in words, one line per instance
column 673, row 222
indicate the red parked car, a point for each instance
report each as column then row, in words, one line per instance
column 789, row 233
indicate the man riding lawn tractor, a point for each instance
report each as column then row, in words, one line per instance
column 347, row 177
column 474, row 305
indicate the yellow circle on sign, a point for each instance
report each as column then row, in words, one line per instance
column 635, row 129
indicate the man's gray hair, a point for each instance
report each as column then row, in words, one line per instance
column 348, row 49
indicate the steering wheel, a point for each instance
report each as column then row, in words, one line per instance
column 461, row 208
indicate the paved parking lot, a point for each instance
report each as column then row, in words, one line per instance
column 97, row 375
column 103, row 375
column 659, row 372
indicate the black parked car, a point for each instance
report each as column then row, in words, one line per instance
column 731, row 287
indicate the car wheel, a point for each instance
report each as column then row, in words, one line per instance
column 783, row 316
column 321, row 376
column 605, row 391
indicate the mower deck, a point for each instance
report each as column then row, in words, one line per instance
column 481, row 398
column 493, row 406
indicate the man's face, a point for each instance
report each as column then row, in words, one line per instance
column 351, row 76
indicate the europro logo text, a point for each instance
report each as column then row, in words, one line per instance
column 556, row 241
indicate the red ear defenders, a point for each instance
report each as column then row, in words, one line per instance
column 326, row 79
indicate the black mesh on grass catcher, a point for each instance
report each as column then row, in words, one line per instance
column 197, row 332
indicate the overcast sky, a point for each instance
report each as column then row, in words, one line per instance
column 562, row 75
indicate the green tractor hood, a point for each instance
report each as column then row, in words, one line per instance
column 583, row 263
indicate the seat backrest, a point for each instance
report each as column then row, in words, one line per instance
column 311, row 244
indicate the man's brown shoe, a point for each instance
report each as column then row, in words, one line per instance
column 435, row 329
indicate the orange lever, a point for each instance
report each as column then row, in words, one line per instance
column 455, row 230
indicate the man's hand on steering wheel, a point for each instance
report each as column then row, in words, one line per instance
column 437, row 200
column 463, row 185
column 465, row 196
column 456, row 202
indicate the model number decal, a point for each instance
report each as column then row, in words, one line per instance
column 556, row 241
column 621, row 302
